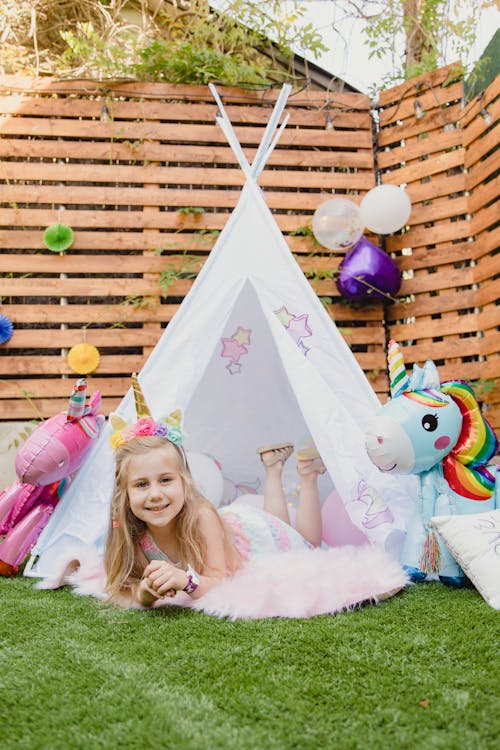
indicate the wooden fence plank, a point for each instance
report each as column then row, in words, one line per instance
column 434, row 78
column 422, row 328
column 37, row 408
column 421, row 236
column 167, row 197
column 58, row 339
column 74, row 314
column 444, row 185
column 12, row 172
column 479, row 126
column 88, row 287
column 88, row 131
column 413, row 150
column 189, row 92
column 475, row 157
column 428, row 99
column 146, row 151
column 486, row 242
column 417, row 169
column 134, row 219
column 61, row 388
column 485, row 193
column 57, row 365
column 176, row 112
column 441, row 208
column 411, row 128
column 425, row 257
column 484, row 219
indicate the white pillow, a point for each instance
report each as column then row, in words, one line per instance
column 474, row 541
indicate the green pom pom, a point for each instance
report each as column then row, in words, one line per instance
column 58, row 237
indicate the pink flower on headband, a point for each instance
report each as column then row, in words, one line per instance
column 145, row 426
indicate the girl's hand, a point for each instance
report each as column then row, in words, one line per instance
column 164, row 579
column 145, row 594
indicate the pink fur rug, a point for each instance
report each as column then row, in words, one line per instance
column 296, row 584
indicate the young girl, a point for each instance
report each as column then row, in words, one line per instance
column 166, row 537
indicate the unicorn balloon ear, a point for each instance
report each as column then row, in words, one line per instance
column 95, row 402
column 398, row 376
column 425, row 378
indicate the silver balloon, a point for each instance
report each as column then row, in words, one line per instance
column 337, row 224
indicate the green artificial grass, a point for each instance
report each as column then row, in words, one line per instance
column 417, row 671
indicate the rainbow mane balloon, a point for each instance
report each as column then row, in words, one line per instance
column 435, row 430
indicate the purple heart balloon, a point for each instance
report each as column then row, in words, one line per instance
column 366, row 266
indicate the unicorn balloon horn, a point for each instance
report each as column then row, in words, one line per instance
column 76, row 405
column 399, row 378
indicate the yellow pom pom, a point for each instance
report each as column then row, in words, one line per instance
column 83, row 358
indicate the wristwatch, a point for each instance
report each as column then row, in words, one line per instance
column 193, row 580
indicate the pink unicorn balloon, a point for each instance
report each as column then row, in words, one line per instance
column 45, row 464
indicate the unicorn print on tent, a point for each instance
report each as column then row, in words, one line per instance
column 251, row 357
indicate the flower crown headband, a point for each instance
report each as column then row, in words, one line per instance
column 168, row 427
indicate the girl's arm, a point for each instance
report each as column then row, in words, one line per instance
column 160, row 577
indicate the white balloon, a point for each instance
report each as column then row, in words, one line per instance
column 337, row 224
column 207, row 476
column 385, row 209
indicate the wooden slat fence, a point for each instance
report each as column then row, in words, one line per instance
column 146, row 179
column 449, row 160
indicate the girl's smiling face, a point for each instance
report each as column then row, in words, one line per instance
column 155, row 487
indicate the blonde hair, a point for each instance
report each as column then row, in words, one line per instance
column 123, row 568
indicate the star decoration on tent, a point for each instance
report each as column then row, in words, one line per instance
column 284, row 316
column 232, row 350
column 298, row 328
column 242, row 335
column 296, row 325
column 234, row 347
column 233, row 368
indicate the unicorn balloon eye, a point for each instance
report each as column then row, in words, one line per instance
column 430, row 422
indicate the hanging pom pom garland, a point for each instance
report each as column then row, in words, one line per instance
column 6, row 329
column 83, row 358
column 58, row 238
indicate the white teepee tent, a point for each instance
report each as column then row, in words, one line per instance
column 251, row 357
